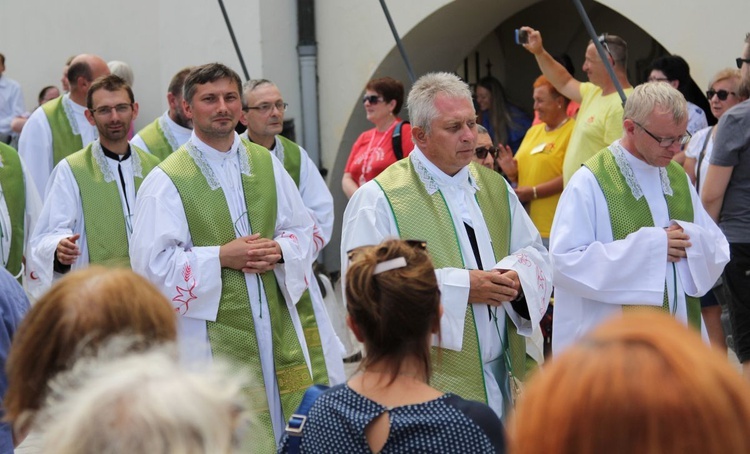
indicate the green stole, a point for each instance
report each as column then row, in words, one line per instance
column 232, row 335
column 64, row 141
column 292, row 158
column 426, row 217
column 106, row 229
column 628, row 215
column 12, row 181
column 155, row 140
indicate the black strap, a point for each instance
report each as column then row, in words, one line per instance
column 398, row 149
column 298, row 420
column 700, row 161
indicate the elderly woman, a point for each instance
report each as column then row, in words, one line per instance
column 374, row 149
column 640, row 383
column 78, row 314
column 537, row 168
column 485, row 152
column 394, row 308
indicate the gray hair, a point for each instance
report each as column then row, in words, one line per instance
column 648, row 97
column 481, row 129
column 144, row 402
column 251, row 85
column 421, row 100
column 123, row 70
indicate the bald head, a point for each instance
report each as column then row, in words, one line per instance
column 84, row 68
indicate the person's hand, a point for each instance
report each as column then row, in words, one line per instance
column 493, row 287
column 507, row 162
column 677, row 242
column 525, row 193
column 534, row 44
column 263, row 255
column 67, row 250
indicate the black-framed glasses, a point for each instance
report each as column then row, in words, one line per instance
column 267, row 107
column 352, row 254
column 666, row 142
column 481, row 152
column 722, row 94
column 121, row 109
column 741, row 60
column 372, row 99
column 603, row 41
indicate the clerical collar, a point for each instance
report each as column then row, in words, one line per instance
column 115, row 156
column 273, row 147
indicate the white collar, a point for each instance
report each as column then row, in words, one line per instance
column 172, row 124
column 204, row 154
column 433, row 178
column 629, row 164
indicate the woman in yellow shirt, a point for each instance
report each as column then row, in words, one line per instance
column 536, row 170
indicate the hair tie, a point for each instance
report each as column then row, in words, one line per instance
column 388, row 265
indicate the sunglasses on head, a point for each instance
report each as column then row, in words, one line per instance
column 352, row 254
column 722, row 94
column 481, row 152
column 372, row 99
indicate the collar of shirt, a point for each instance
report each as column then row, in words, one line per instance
column 212, row 154
column 77, row 108
column 175, row 126
column 435, row 179
column 114, row 156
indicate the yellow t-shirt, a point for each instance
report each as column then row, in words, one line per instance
column 598, row 124
column 540, row 159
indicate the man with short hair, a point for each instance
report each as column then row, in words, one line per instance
column 11, row 103
column 599, row 120
column 168, row 132
column 89, row 204
column 60, row 127
column 221, row 229
column 493, row 271
column 263, row 116
column 630, row 230
column 726, row 195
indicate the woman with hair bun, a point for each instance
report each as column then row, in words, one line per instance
column 393, row 305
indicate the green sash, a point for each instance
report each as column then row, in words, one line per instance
column 628, row 215
column 155, row 140
column 106, row 226
column 64, row 141
column 232, row 335
column 426, row 217
column 11, row 179
column 292, row 158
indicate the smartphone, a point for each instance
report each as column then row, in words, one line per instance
column 522, row 37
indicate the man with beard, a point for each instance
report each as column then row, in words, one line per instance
column 221, row 229
column 165, row 134
column 88, row 209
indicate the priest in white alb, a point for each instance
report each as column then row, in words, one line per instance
column 630, row 230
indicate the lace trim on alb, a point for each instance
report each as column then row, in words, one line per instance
column 244, row 160
column 424, row 174
column 203, row 166
column 619, row 153
column 164, row 125
column 101, row 161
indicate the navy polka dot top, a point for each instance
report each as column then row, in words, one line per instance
column 336, row 424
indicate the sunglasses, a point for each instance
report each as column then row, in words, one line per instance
column 722, row 94
column 352, row 254
column 481, row 152
column 372, row 99
column 741, row 60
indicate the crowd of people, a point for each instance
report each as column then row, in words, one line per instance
column 170, row 302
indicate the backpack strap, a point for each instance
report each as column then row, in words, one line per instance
column 298, row 420
column 398, row 149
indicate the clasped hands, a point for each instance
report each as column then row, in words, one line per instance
column 677, row 242
column 493, row 286
column 250, row 254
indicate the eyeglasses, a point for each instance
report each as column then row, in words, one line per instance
column 722, row 94
column 741, row 60
column 603, row 41
column 268, row 107
column 481, row 152
column 103, row 111
column 372, row 99
column 352, row 254
column 666, row 142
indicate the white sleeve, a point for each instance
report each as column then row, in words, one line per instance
column 161, row 249
column 587, row 262
column 35, row 147
column 318, row 200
